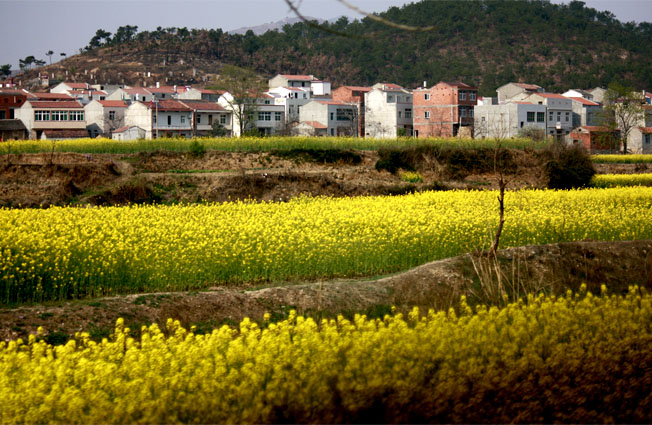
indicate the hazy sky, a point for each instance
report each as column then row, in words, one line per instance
column 32, row 27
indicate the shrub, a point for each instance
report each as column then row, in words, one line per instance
column 569, row 167
column 411, row 177
column 533, row 133
column 197, row 149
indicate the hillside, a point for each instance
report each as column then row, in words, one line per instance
column 486, row 43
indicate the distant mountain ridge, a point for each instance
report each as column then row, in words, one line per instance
column 271, row 26
column 486, row 43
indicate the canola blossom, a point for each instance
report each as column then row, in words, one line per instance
column 620, row 180
column 72, row 252
column 246, row 144
column 622, row 159
column 575, row 358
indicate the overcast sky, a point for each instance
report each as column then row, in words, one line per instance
column 32, row 27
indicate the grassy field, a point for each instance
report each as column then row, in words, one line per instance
column 575, row 358
column 244, row 144
column 62, row 253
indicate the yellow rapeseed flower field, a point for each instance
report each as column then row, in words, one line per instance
column 622, row 159
column 574, row 358
column 620, row 180
column 61, row 253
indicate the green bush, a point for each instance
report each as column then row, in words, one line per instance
column 569, row 167
column 197, row 149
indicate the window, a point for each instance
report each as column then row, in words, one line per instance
column 153, row 118
column 76, row 115
column 343, row 114
column 277, row 116
column 267, row 102
column 550, row 116
column 427, row 115
column 471, row 112
column 567, row 116
column 198, row 119
column 222, row 119
column 473, row 95
column 541, row 116
column 264, row 116
column 408, row 113
column 427, row 96
column 183, row 119
column 305, row 96
column 332, row 132
column 530, row 117
column 462, row 95
column 462, row 112
column 210, row 120
column 169, row 119
column 648, row 138
column 399, row 114
column 111, row 115
column 558, row 116
column 390, row 98
column 332, row 116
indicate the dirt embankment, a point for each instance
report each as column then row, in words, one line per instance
column 33, row 180
column 526, row 270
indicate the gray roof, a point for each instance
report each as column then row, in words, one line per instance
column 12, row 125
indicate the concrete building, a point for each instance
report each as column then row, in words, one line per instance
column 292, row 99
column 132, row 94
column 339, row 118
column 598, row 94
column 206, row 114
column 585, row 112
column 104, row 116
column 585, row 94
column 207, row 95
column 53, row 119
column 388, row 111
column 511, row 90
column 87, row 96
column 559, row 109
column 128, row 133
column 444, row 110
column 317, row 87
column 268, row 118
column 68, row 86
column 167, row 92
column 506, row 120
column 165, row 118
column 640, row 137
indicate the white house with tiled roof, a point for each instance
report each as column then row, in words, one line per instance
column 167, row 92
column 269, row 117
column 317, row 87
column 67, row 86
column 206, row 114
column 559, row 111
column 339, row 118
column 292, row 99
column 165, row 118
column 104, row 116
column 51, row 119
column 131, row 94
column 388, row 108
column 585, row 112
column 128, row 132
column 192, row 93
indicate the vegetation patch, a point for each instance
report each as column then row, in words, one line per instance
column 569, row 167
column 320, row 156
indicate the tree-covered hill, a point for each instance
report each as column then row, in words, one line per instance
column 486, row 43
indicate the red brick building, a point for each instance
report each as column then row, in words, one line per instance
column 595, row 138
column 10, row 100
column 353, row 95
column 444, row 110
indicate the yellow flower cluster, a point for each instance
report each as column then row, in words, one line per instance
column 575, row 358
column 246, row 144
column 622, row 159
column 61, row 253
column 620, row 180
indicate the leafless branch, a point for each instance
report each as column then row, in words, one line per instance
column 313, row 24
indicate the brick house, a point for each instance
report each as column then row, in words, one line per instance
column 10, row 100
column 353, row 95
column 444, row 110
column 595, row 139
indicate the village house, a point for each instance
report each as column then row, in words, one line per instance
column 129, row 132
column 639, row 139
column 53, row 119
column 444, row 110
column 267, row 117
column 507, row 120
column 292, row 99
column 131, row 94
column 67, row 86
column 207, row 95
column 164, row 118
column 316, row 86
column 10, row 100
column 207, row 114
column 388, row 111
column 559, row 109
column 510, row 91
column 585, row 112
column 12, row 130
column 353, row 95
column 104, row 116
column 338, row 118
column 166, row 92
column 585, row 94
column 595, row 139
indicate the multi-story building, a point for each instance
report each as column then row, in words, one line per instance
column 388, row 111
column 559, row 109
column 131, row 94
column 444, row 110
column 62, row 119
column 639, row 139
column 338, row 118
column 164, row 118
column 353, row 95
column 103, row 117
column 259, row 110
column 292, row 99
column 317, row 87
column 585, row 112
column 506, row 120
column 206, row 115
column 10, row 100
